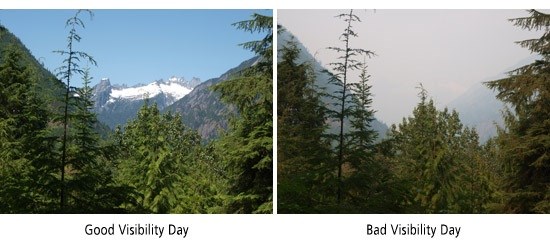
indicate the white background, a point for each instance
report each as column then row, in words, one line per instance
column 274, row 229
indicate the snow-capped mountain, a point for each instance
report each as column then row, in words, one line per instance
column 173, row 89
column 115, row 104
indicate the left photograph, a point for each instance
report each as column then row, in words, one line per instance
column 136, row 111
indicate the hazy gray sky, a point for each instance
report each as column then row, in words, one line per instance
column 446, row 50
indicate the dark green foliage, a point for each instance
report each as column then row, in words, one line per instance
column 322, row 79
column 66, row 72
column 342, row 98
column 361, row 115
column 478, row 176
column 34, row 175
column 167, row 165
column 322, row 170
column 367, row 182
column 525, row 141
column 25, row 148
column 85, row 138
column 46, row 82
column 264, row 47
column 362, row 184
column 148, row 164
column 440, row 160
column 302, row 151
column 90, row 186
column 248, row 147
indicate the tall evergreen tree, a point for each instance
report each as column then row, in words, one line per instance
column 362, row 114
column 340, row 111
column 302, row 152
column 525, row 140
column 66, row 72
column 367, row 183
column 25, row 148
column 90, row 186
column 422, row 149
column 248, row 147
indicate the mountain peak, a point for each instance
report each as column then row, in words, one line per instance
column 116, row 99
column 174, row 88
column 174, row 79
column 104, row 83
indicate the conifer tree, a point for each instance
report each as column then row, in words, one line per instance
column 85, row 138
column 361, row 114
column 25, row 148
column 90, row 187
column 145, row 158
column 204, row 184
column 302, row 152
column 66, row 72
column 161, row 159
column 248, row 147
column 13, row 81
column 497, row 173
column 421, row 145
column 340, row 111
column 477, row 178
column 367, row 184
column 525, row 140
column 439, row 159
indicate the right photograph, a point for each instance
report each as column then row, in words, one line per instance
column 413, row 111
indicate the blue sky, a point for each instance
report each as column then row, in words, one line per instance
column 140, row 46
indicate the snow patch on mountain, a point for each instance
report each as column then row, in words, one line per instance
column 116, row 104
column 174, row 89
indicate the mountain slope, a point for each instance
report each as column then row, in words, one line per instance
column 478, row 107
column 202, row 109
column 50, row 87
column 321, row 79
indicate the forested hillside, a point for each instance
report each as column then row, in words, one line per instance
column 429, row 162
column 53, row 160
column 49, row 84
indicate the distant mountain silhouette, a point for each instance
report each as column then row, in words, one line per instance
column 478, row 107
